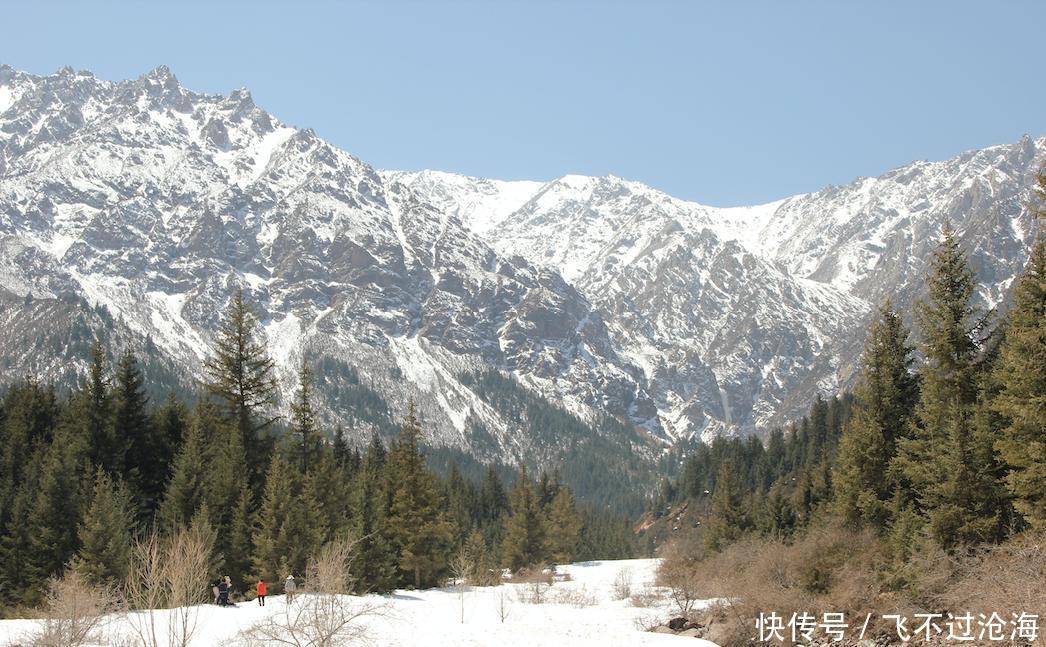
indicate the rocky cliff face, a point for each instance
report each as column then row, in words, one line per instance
column 602, row 295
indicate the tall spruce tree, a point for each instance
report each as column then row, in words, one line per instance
column 146, row 453
column 55, row 516
column 950, row 481
column 523, row 544
column 289, row 528
column 418, row 528
column 562, row 527
column 93, row 410
column 726, row 521
column 241, row 376
column 105, row 533
column 303, row 420
column 239, row 549
column 1021, row 375
column 188, row 487
column 886, row 394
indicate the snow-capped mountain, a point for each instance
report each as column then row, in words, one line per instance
column 739, row 316
column 602, row 295
column 157, row 203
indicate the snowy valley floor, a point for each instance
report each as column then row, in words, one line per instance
column 581, row 611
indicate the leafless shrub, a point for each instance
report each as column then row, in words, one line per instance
column 645, row 598
column 324, row 614
column 575, row 597
column 461, row 569
column 648, row 622
column 503, row 605
column 535, row 592
column 536, row 573
column 677, row 572
column 1009, row 577
column 622, row 586
column 170, row 574
column 74, row 612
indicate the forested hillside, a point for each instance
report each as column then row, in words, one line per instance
column 932, row 473
column 89, row 474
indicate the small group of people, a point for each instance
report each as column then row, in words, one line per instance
column 223, row 586
column 220, row 589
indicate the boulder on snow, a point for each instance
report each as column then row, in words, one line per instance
column 677, row 624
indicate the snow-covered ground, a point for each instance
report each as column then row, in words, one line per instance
column 581, row 611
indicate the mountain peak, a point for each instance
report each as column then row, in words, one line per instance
column 162, row 75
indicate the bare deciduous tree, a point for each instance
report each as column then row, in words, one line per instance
column 74, row 612
column 504, row 604
column 461, row 569
column 325, row 614
column 170, row 574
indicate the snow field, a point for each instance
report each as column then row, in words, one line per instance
column 580, row 611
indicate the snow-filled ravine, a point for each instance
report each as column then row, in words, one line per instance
column 579, row 608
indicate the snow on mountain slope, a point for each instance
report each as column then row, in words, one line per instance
column 158, row 203
column 481, row 204
column 739, row 316
column 601, row 294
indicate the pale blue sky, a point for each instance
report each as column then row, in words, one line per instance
column 721, row 102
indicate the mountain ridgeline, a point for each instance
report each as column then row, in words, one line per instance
column 148, row 204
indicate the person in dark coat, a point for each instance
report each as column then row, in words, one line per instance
column 223, row 592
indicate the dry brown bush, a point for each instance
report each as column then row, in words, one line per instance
column 1010, row 578
column 575, row 597
column 646, row 598
column 168, row 573
column 74, row 612
column 829, row 568
column 622, row 585
column 531, row 574
column 533, row 592
column 832, row 568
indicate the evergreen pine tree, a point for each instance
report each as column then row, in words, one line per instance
column 484, row 570
column 1021, row 375
column 146, row 453
column 952, row 487
column 524, row 538
column 93, row 410
column 55, row 517
column 189, row 483
column 417, row 526
column 241, row 376
column 376, row 561
column 105, row 534
column 18, row 580
column 240, row 545
column 886, row 394
column 303, row 420
column 289, row 529
column 726, row 521
column 562, row 527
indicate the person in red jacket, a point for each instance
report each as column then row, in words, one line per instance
column 261, row 592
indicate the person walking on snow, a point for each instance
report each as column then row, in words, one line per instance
column 289, row 587
column 261, row 592
column 214, row 590
column 223, row 593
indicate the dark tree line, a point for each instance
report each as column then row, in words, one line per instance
column 82, row 476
